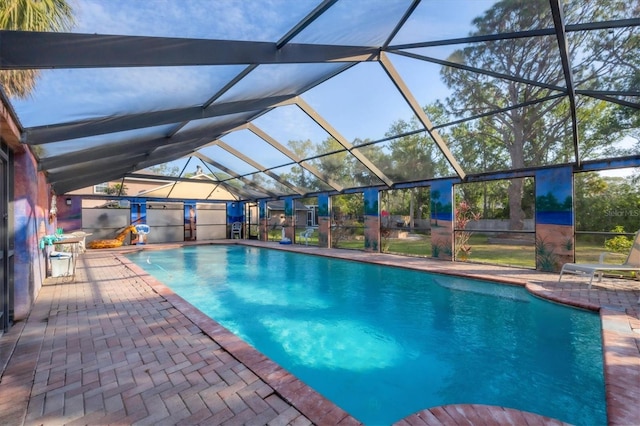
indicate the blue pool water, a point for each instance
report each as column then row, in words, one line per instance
column 383, row 343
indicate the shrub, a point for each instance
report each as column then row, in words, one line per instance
column 619, row 243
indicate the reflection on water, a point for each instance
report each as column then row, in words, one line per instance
column 346, row 344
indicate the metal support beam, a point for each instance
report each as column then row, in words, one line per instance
column 66, row 183
column 236, row 192
column 42, row 50
column 604, row 97
column 245, row 72
column 184, row 168
column 342, row 141
column 482, row 71
column 586, row 26
column 122, row 164
column 233, row 174
column 260, row 168
column 172, row 152
column 196, row 137
column 400, row 24
column 103, row 125
column 419, row 112
column 305, row 22
column 125, row 162
column 69, row 184
column 284, row 150
column 563, row 46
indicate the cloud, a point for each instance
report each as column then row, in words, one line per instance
column 220, row 19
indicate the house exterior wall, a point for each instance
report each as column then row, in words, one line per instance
column 29, row 209
column 32, row 198
column 133, row 187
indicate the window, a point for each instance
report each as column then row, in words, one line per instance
column 100, row 188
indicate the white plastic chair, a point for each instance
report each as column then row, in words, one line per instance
column 236, row 230
column 306, row 234
column 591, row 269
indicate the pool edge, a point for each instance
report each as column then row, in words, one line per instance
column 305, row 399
column 621, row 344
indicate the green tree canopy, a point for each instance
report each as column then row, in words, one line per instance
column 602, row 203
column 534, row 127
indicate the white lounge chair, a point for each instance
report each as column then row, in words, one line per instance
column 591, row 269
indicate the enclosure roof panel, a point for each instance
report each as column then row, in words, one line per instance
column 289, row 98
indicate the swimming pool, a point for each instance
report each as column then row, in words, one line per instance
column 383, row 343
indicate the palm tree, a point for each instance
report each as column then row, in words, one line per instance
column 31, row 15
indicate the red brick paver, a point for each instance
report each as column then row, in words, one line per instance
column 114, row 346
column 106, row 348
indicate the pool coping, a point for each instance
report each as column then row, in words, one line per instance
column 620, row 336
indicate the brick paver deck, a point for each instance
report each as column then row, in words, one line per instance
column 114, row 346
column 107, row 349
